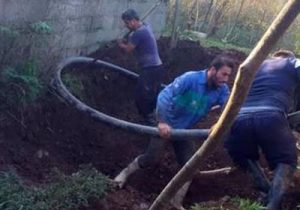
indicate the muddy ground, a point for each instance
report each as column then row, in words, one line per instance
column 53, row 134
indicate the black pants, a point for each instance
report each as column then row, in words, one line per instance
column 147, row 89
column 268, row 130
column 184, row 149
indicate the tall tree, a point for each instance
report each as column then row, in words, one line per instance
column 197, row 15
column 241, row 87
column 175, row 25
column 217, row 14
column 235, row 20
column 206, row 15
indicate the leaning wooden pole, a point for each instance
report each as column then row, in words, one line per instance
column 240, row 89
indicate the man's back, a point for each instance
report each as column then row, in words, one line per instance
column 275, row 84
column 145, row 45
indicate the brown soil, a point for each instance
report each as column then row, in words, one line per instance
column 54, row 134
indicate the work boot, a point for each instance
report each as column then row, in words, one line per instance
column 122, row 177
column 281, row 181
column 177, row 200
column 259, row 177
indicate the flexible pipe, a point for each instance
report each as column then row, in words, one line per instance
column 60, row 88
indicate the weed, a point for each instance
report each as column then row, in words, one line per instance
column 41, row 27
column 63, row 193
column 21, row 85
column 234, row 203
column 74, row 84
column 209, row 42
column 10, row 33
column 246, row 204
column 21, row 64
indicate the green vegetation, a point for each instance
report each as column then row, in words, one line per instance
column 41, row 27
column 74, row 84
column 234, row 203
column 21, row 80
column 237, row 22
column 10, row 33
column 297, row 44
column 63, row 193
column 21, row 85
column 246, row 204
column 210, row 42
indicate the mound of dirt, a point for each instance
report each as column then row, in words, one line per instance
column 53, row 134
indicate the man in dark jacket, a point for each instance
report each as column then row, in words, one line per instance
column 262, row 124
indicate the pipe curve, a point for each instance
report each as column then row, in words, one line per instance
column 58, row 85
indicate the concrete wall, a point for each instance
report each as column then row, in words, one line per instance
column 79, row 26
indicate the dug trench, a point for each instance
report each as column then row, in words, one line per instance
column 54, row 134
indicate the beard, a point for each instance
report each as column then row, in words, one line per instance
column 214, row 84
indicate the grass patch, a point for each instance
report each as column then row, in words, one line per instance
column 206, row 42
column 74, row 84
column 63, row 193
column 246, row 204
column 20, row 86
column 209, row 42
column 234, row 203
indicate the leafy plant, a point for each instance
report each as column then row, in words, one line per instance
column 246, row 204
column 20, row 76
column 41, row 27
column 5, row 31
column 210, row 42
column 197, row 207
column 20, row 85
column 64, row 193
column 192, row 35
column 73, row 84
column 234, row 203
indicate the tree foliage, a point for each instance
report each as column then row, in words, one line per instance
column 240, row 22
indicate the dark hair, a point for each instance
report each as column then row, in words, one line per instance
column 221, row 61
column 130, row 14
column 284, row 54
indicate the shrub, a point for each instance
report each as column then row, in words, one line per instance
column 63, row 193
column 21, row 85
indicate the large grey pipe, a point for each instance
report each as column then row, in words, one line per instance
column 60, row 88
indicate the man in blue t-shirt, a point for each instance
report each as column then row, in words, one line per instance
column 262, row 123
column 182, row 104
column 143, row 43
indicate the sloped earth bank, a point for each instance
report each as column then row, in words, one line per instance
column 53, row 134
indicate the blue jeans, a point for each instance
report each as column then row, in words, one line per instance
column 268, row 130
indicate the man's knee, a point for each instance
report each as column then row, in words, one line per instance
column 288, row 160
column 285, row 153
column 148, row 160
column 145, row 105
column 184, row 150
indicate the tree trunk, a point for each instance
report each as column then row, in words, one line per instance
column 197, row 16
column 216, row 16
column 191, row 10
column 206, row 15
column 235, row 21
column 241, row 87
column 174, row 35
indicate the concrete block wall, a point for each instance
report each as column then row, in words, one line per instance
column 78, row 26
